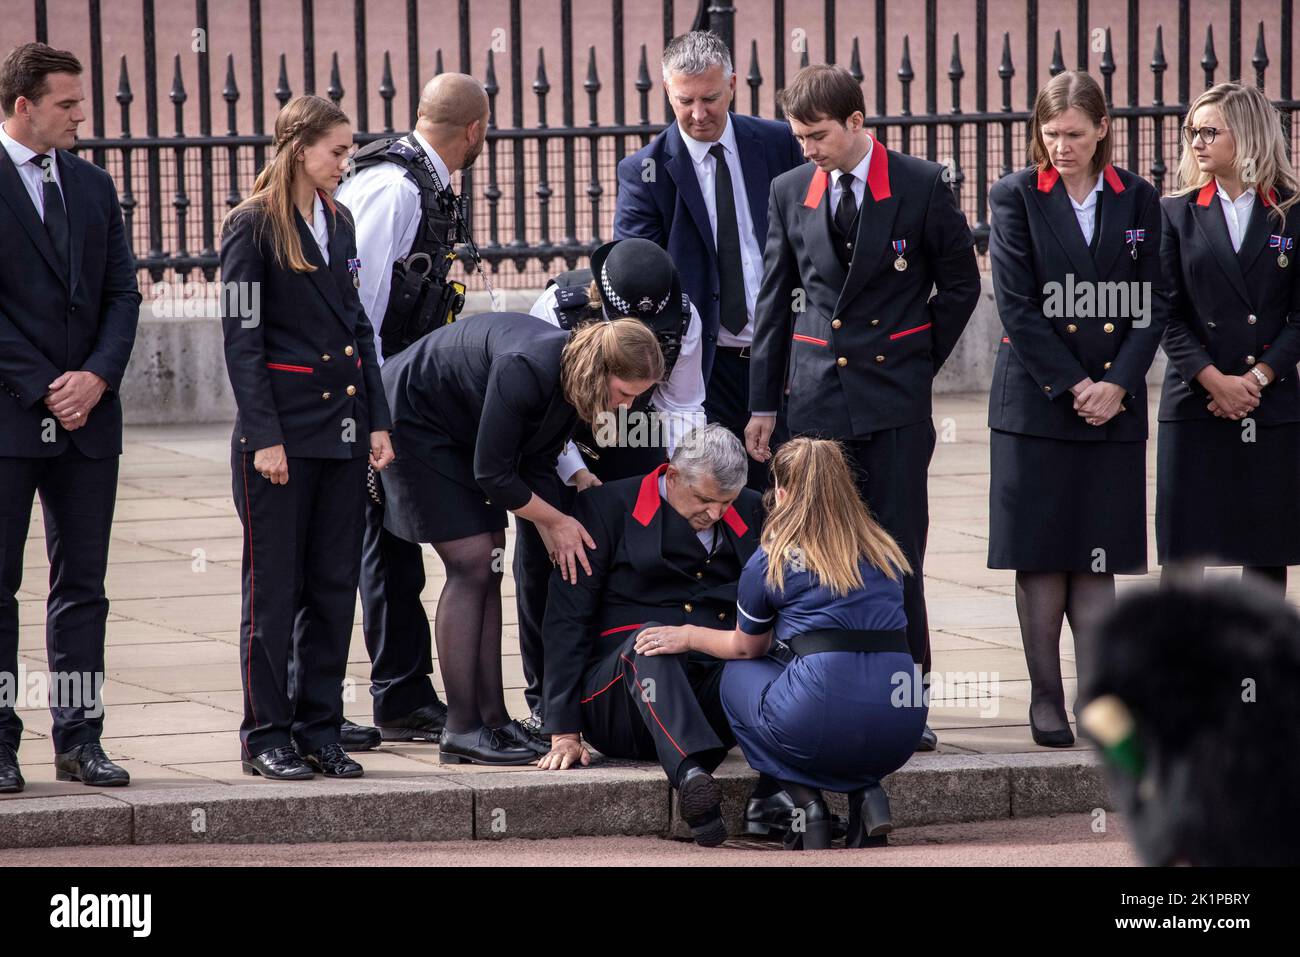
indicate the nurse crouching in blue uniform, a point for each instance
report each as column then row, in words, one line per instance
column 822, row 699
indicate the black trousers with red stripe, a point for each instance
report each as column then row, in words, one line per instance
column 662, row 707
column 301, row 563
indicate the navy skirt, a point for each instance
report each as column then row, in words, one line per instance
column 826, row 721
column 1224, row 501
column 424, row 504
column 1057, row 505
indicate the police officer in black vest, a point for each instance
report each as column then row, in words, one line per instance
column 669, row 550
column 409, row 225
column 636, row 279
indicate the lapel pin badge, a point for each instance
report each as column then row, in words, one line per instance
column 354, row 267
column 899, row 246
column 1132, row 237
column 1281, row 244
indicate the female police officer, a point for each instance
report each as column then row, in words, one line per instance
column 482, row 407
column 300, row 355
column 1068, row 409
column 1228, row 465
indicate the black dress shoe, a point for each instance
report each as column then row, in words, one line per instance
column 1051, row 739
column 928, row 741
column 422, row 724
column 89, row 765
column 811, row 829
column 333, row 762
column 699, row 802
column 357, row 737
column 11, row 779
column 482, row 746
column 279, row 764
column 516, row 733
column 869, row 818
column 533, row 724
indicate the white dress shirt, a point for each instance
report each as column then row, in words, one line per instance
column 1237, row 213
column 1086, row 212
column 859, row 180
column 708, row 537
column 385, row 205
column 679, row 399
column 751, row 253
column 31, row 175
column 320, row 228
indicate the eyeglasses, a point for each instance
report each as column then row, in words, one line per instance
column 1206, row 133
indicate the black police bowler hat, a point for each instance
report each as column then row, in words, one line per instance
column 636, row 278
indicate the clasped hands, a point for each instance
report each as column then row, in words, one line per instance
column 1097, row 402
column 71, row 397
column 1232, row 396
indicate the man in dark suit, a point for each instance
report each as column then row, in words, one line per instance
column 869, row 279
column 669, row 550
column 68, row 311
column 699, row 189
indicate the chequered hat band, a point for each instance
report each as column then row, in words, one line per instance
column 645, row 307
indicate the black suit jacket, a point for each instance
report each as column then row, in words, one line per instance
column 485, row 388
column 51, row 322
column 303, row 365
column 669, row 209
column 861, row 348
column 632, row 583
column 1229, row 309
column 1048, row 347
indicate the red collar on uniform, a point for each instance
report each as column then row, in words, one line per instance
column 648, row 499
column 1047, row 179
column 1210, row 189
column 877, row 177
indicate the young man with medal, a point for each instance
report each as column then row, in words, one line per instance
column 869, row 279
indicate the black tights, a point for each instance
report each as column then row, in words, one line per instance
column 1271, row 577
column 1043, row 599
column 467, row 629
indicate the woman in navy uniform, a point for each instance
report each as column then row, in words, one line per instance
column 1076, row 272
column 481, row 409
column 822, row 714
column 301, row 358
column 1228, row 465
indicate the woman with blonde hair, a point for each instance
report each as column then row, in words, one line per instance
column 1068, row 403
column 301, row 358
column 481, row 409
column 1228, row 463
column 820, row 689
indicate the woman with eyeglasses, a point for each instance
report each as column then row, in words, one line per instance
column 1068, row 406
column 1228, row 466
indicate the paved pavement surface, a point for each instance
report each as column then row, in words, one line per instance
column 1063, row 840
column 173, row 688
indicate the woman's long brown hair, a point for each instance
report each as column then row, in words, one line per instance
column 821, row 524
column 302, row 123
column 622, row 347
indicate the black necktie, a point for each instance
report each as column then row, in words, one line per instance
column 731, row 276
column 847, row 208
column 56, row 215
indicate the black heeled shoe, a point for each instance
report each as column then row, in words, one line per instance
column 483, row 746
column 1051, row 739
column 810, row 827
column 869, row 818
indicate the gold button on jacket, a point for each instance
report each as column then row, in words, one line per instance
column 352, row 390
column 347, row 351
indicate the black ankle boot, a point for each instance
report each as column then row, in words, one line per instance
column 810, row 824
column 869, row 819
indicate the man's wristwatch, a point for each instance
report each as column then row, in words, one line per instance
column 1259, row 376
